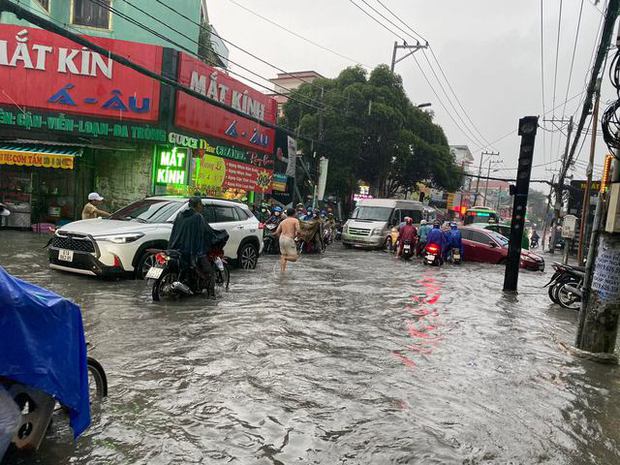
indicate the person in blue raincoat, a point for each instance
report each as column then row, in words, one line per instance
column 456, row 240
column 447, row 233
column 436, row 236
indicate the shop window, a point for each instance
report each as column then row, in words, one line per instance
column 45, row 4
column 225, row 214
column 91, row 14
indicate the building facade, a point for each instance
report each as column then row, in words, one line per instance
column 74, row 121
column 285, row 83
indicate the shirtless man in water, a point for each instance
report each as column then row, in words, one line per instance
column 288, row 230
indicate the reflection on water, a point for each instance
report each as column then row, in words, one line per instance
column 350, row 358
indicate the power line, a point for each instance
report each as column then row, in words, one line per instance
column 299, row 36
column 43, row 23
column 555, row 73
column 572, row 60
column 137, row 23
column 402, row 22
column 376, row 21
column 446, row 94
column 441, row 70
column 440, row 101
column 211, row 32
column 471, row 136
column 542, row 70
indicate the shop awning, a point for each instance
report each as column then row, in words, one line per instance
column 41, row 156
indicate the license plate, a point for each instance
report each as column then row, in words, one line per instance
column 154, row 272
column 407, row 248
column 65, row 255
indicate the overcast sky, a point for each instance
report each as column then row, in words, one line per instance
column 489, row 50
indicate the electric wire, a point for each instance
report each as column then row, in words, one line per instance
column 574, row 53
column 137, row 23
column 299, row 36
column 542, row 72
column 555, row 73
column 62, row 29
column 238, row 47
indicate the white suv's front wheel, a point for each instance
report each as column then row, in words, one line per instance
column 248, row 256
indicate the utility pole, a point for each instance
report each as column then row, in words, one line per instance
column 410, row 48
column 480, row 174
column 320, row 143
column 559, row 189
column 585, row 204
column 545, row 222
column 600, row 295
column 486, row 186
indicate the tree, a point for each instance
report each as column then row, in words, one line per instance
column 372, row 133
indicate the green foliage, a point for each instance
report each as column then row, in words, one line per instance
column 205, row 48
column 372, row 133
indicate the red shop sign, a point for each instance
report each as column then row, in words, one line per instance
column 199, row 117
column 39, row 69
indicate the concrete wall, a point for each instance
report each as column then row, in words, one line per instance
column 123, row 177
column 121, row 29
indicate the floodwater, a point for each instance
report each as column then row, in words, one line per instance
column 351, row 358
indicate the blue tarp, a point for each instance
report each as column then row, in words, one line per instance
column 42, row 345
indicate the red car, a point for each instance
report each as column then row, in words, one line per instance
column 484, row 245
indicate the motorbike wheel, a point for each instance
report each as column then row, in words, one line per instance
column 222, row 278
column 552, row 292
column 567, row 299
column 97, row 380
column 165, row 279
column 268, row 248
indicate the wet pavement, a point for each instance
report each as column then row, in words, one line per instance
column 351, row 358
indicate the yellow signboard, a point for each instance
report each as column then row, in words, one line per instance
column 40, row 160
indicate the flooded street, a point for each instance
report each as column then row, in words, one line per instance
column 351, row 358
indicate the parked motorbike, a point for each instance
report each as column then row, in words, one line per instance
column 565, row 285
column 270, row 241
column 455, row 256
column 432, row 255
column 407, row 251
column 534, row 243
column 172, row 276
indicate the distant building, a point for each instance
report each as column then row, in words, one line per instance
column 462, row 155
column 285, row 83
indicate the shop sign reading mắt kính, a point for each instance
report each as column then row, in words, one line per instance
column 170, row 165
column 40, row 69
column 200, row 117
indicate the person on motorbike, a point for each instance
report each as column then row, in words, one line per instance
column 435, row 236
column 422, row 235
column 534, row 239
column 300, row 211
column 330, row 227
column 309, row 214
column 276, row 216
column 456, row 241
column 407, row 232
column 192, row 236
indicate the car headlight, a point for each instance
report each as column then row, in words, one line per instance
column 120, row 238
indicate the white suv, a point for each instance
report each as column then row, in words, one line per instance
column 118, row 245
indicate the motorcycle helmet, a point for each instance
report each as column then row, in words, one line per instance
column 277, row 209
column 423, row 222
column 453, row 225
column 436, row 224
column 408, row 220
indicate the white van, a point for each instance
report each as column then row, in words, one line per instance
column 372, row 220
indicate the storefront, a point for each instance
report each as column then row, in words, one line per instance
column 37, row 183
column 229, row 156
column 73, row 121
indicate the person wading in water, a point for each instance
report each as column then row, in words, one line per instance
column 288, row 229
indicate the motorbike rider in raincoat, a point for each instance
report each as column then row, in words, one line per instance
column 276, row 216
column 406, row 232
column 456, row 241
column 436, row 236
column 422, row 235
